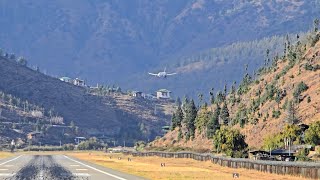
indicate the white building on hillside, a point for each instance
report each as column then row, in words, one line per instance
column 163, row 94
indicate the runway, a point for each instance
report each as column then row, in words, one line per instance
column 56, row 167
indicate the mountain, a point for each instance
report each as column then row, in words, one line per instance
column 285, row 91
column 113, row 115
column 118, row 42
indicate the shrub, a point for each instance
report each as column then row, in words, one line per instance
column 91, row 144
column 231, row 142
column 299, row 89
column 276, row 114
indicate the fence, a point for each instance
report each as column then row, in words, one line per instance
column 302, row 169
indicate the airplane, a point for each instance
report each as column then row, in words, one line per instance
column 163, row 74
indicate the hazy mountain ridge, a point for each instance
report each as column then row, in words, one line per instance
column 94, row 115
column 96, row 39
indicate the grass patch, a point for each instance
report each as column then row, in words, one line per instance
column 149, row 167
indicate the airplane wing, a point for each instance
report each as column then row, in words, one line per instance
column 153, row 74
column 171, row 74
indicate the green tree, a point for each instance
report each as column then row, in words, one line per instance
column 190, row 117
column 298, row 90
column 202, row 119
column 273, row 141
column 312, row 135
column 224, row 114
column 230, row 141
column 213, row 123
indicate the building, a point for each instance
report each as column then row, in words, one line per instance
column 79, row 82
column 163, row 94
column 66, row 79
column 78, row 140
column 149, row 96
column 136, row 93
column 34, row 136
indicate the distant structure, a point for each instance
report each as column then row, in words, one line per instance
column 66, row 79
column 137, row 94
column 79, row 82
column 76, row 82
column 163, row 94
column 78, row 140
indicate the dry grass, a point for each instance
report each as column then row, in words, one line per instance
column 149, row 167
column 4, row 154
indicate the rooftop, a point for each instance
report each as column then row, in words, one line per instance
column 164, row 90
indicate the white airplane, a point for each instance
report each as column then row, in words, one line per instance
column 163, row 74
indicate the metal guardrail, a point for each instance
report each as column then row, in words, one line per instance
column 302, row 169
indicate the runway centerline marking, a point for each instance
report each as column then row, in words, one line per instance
column 10, row 160
column 117, row 177
column 3, row 169
column 74, row 165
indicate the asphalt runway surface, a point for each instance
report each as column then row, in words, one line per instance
column 56, row 167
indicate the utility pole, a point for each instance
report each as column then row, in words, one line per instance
column 124, row 143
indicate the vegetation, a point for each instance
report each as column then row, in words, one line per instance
column 298, row 90
column 230, row 141
column 312, row 135
column 91, row 144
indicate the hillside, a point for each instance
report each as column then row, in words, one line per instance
column 94, row 115
column 284, row 91
column 93, row 40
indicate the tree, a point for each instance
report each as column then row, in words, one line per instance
column 190, row 117
column 202, row 118
column 22, row 61
column 213, row 123
column 273, row 141
column 224, row 114
column 212, row 99
column 312, row 135
column 230, row 141
column 179, row 116
column 173, row 121
column 316, row 25
column 292, row 113
column 298, row 90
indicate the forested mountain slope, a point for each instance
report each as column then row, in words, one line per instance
column 94, row 39
column 285, row 91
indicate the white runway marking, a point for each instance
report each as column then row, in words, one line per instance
column 3, row 169
column 10, row 160
column 117, row 177
column 81, row 174
column 81, row 169
column 7, row 174
column 8, row 165
column 74, row 165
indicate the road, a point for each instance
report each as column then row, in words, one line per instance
column 56, row 167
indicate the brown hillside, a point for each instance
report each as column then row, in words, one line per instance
column 261, row 123
column 95, row 115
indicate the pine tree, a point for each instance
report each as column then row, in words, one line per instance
column 173, row 121
column 213, row 123
column 179, row 116
column 224, row 114
column 190, row 117
column 212, row 99
column 292, row 116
